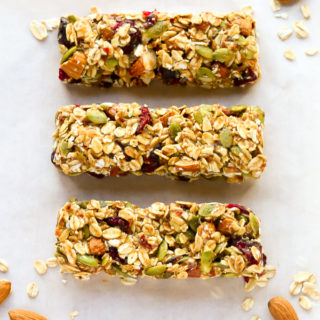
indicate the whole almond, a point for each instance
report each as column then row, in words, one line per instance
column 5, row 289
column 20, row 314
column 281, row 309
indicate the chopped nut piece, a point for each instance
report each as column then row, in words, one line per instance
column 247, row 304
column 305, row 11
column 305, row 303
column 312, row 52
column 301, row 29
column 38, row 29
column 284, row 33
column 40, row 266
column 290, row 55
column 3, row 266
column 74, row 314
column 75, row 65
column 32, row 290
column 275, row 5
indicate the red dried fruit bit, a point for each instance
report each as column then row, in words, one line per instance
column 146, row 13
column 62, row 75
column 194, row 273
column 242, row 209
column 106, row 50
column 145, row 118
column 113, row 252
column 144, row 242
column 245, row 248
column 247, row 76
column 118, row 222
column 151, row 163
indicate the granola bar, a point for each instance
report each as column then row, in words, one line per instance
column 179, row 240
column 209, row 50
column 178, row 142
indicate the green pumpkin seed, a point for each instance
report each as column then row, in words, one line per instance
column 205, row 75
column 189, row 234
column 129, row 204
column 258, row 112
column 194, row 223
column 198, row 117
column 156, row 270
column 238, row 109
column 226, row 138
column 72, row 18
column 90, row 261
column 156, row 30
column 206, row 210
column 68, row 54
column 236, row 150
column 111, row 63
column 104, row 261
column 254, row 223
column 166, row 275
column 96, row 116
column 205, row 52
column 64, row 148
column 229, row 275
column 223, row 55
column 220, row 247
column 240, row 216
column 206, row 261
column 119, row 271
column 82, row 204
column 59, row 253
column 242, row 41
column 206, row 109
column 183, row 259
column 162, row 251
column 249, row 54
column 86, row 232
column 219, row 265
column 174, row 129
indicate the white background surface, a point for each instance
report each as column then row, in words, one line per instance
column 286, row 198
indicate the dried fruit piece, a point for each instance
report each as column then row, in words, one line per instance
column 90, row 261
column 281, row 309
column 32, row 290
column 247, row 304
column 145, row 118
column 38, row 29
column 156, row 270
column 206, row 210
column 20, row 314
column 62, row 34
column 305, row 303
column 118, row 222
column 97, row 116
column 305, row 11
column 223, row 55
column 156, row 30
column 174, row 129
column 206, row 261
column 204, row 51
column 68, row 54
column 284, row 33
column 5, row 289
column 226, row 138
column 162, row 251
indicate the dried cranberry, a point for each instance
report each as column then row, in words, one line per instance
column 62, row 34
column 145, row 118
column 118, row 222
column 106, row 50
column 247, row 76
column 242, row 209
column 151, row 163
column 62, row 75
column 245, row 248
column 146, row 13
column 52, row 156
column 96, row 175
column 135, row 39
column 121, row 22
column 246, row 279
column 113, row 252
column 150, row 21
column 169, row 76
column 144, row 242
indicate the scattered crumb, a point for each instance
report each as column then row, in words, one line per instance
column 247, row 9
column 38, row 29
column 284, row 33
column 64, row 281
column 289, row 54
column 311, row 52
column 247, row 304
column 305, row 11
column 74, row 314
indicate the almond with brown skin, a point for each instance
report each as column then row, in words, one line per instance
column 281, row 309
column 5, row 289
column 20, row 314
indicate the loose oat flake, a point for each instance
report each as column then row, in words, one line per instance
column 52, row 262
column 247, row 304
column 38, row 29
column 305, row 11
column 302, row 276
column 282, row 15
column 74, row 314
column 51, row 23
column 289, row 54
column 247, row 9
column 311, row 52
column 255, row 318
column 295, row 288
column 275, row 5
column 3, row 266
column 32, row 290
column 285, row 33
column 305, row 303
column 40, row 266
column 311, row 290
column 301, row 29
